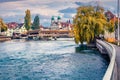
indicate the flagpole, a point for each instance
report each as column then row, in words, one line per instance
column 118, row 22
column 0, row 26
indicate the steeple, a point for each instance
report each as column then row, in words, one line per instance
column 59, row 18
column 52, row 18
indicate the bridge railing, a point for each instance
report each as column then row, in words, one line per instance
column 111, row 73
column 54, row 35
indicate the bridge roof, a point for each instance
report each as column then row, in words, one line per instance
column 54, row 31
column 34, row 31
column 48, row 31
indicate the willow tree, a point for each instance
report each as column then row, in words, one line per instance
column 3, row 26
column 27, row 20
column 89, row 23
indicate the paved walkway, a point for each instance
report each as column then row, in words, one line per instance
column 118, row 60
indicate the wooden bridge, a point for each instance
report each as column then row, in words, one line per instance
column 50, row 33
column 55, row 33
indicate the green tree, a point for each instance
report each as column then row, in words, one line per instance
column 89, row 23
column 36, row 23
column 27, row 19
column 3, row 26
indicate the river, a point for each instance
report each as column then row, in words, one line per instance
column 49, row 60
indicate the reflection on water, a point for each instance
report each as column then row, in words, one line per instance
column 49, row 60
column 78, row 49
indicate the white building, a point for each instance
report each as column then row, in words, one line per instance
column 20, row 29
column 57, row 24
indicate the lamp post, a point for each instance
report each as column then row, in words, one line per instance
column 0, row 28
column 118, row 22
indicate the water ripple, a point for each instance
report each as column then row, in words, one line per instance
column 52, row 60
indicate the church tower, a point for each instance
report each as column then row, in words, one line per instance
column 59, row 22
column 52, row 20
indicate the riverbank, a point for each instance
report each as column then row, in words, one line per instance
column 4, row 38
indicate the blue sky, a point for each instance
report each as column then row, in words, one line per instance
column 14, row 10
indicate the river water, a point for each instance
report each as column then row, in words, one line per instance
column 49, row 60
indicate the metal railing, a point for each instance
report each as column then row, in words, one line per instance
column 111, row 73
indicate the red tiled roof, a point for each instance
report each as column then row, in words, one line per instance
column 12, row 25
column 115, row 19
column 109, row 14
column 65, row 24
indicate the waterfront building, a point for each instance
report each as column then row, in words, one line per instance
column 111, row 17
column 9, row 32
column 15, row 28
column 20, row 29
column 11, row 27
column 66, row 26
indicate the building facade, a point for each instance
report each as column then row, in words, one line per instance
column 111, row 17
column 15, row 28
column 57, row 24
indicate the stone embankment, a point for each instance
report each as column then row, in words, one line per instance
column 4, row 38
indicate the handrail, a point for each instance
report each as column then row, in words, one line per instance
column 112, row 54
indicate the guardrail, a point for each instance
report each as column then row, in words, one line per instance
column 111, row 73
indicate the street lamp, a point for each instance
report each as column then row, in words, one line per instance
column 0, row 28
column 118, row 22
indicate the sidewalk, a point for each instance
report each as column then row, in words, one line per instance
column 118, row 60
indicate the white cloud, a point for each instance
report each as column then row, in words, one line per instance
column 46, row 8
column 43, row 7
